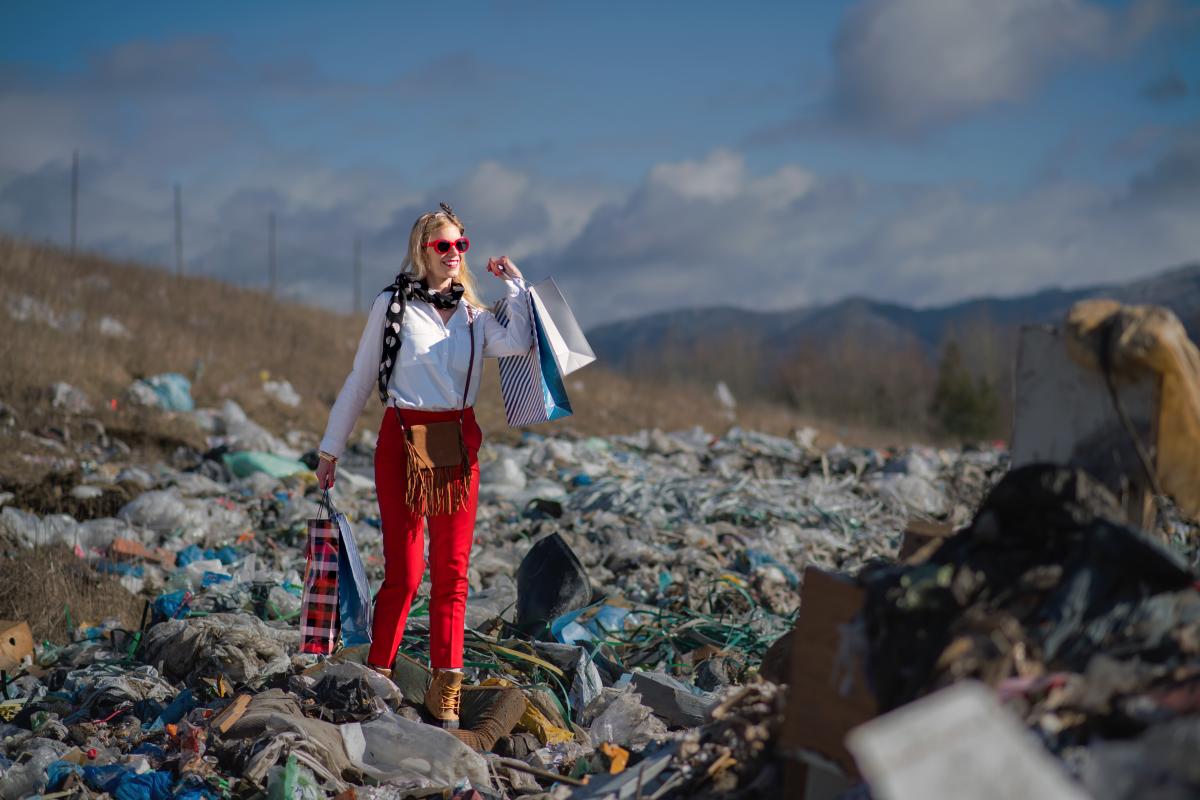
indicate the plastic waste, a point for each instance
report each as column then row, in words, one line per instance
column 29, row 778
column 240, row 646
column 238, row 432
column 69, row 399
column 243, row 463
column 282, row 392
column 501, row 478
column 171, row 391
column 550, row 582
column 292, row 782
column 623, row 719
column 392, row 748
column 33, row 531
column 676, row 703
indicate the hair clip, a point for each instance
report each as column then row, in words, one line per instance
column 449, row 211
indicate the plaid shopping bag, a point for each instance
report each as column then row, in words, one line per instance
column 319, row 607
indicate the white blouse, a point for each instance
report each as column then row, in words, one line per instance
column 431, row 368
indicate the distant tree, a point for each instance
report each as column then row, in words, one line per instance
column 963, row 406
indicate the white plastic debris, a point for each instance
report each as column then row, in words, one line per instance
column 24, row 308
column 108, row 326
column 956, row 743
column 231, row 427
column 624, row 720
column 394, row 749
column 726, row 400
column 32, row 530
column 282, row 392
column 69, row 399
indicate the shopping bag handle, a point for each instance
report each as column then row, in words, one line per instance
column 326, row 503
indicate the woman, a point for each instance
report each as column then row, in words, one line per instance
column 422, row 349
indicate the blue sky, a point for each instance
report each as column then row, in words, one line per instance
column 648, row 155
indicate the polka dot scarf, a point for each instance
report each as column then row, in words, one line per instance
column 402, row 291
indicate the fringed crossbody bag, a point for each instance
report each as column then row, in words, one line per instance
column 437, row 465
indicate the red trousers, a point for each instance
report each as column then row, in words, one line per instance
column 450, row 537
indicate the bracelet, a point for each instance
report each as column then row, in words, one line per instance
column 321, row 454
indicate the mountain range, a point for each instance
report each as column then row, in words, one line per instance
column 777, row 333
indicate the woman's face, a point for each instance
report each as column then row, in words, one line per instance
column 440, row 266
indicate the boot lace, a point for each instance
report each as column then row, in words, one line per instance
column 450, row 697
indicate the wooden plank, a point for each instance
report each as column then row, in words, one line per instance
column 231, row 714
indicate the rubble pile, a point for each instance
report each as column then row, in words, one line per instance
column 667, row 564
column 1087, row 629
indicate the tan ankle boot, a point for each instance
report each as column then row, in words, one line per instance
column 443, row 696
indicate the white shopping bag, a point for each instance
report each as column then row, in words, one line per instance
column 531, row 384
column 563, row 334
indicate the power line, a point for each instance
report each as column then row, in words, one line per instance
column 271, row 276
column 357, row 275
column 74, row 198
column 178, row 230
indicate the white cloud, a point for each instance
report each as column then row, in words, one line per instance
column 904, row 67
column 917, row 245
column 773, row 240
column 702, row 231
column 716, row 178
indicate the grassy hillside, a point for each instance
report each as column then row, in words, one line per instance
column 228, row 340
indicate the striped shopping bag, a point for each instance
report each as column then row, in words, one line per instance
column 531, row 385
column 319, row 606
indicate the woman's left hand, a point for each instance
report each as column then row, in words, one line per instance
column 503, row 268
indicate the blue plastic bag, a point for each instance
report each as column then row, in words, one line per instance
column 172, row 390
column 354, row 590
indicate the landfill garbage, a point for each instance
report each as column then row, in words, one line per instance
column 229, row 427
column 244, row 463
column 397, row 750
column 679, row 559
column 110, row 326
column 673, row 701
column 1042, row 580
column 958, row 742
column 169, row 391
column 550, row 582
column 239, row 646
column 275, row 714
column 726, row 400
column 282, row 392
column 619, row 716
column 69, row 399
column 24, row 308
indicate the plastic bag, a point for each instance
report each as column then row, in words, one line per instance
column 550, row 582
column 354, row 590
column 392, row 748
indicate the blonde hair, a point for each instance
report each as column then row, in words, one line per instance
column 414, row 264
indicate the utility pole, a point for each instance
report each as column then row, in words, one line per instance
column 178, row 230
column 357, row 275
column 74, row 198
column 271, row 252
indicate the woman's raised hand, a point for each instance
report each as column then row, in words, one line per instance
column 503, row 268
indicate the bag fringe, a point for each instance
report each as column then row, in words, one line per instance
column 432, row 491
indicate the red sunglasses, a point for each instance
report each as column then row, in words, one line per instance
column 443, row 245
